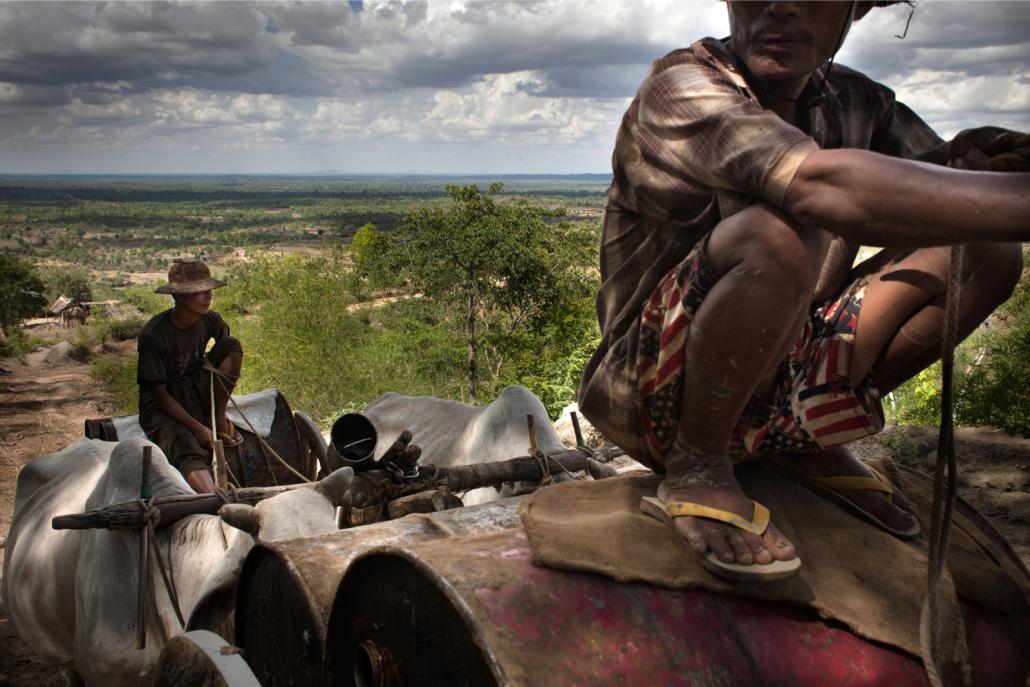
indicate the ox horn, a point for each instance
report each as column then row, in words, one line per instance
column 241, row 516
column 336, row 487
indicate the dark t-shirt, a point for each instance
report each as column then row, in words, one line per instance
column 168, row 354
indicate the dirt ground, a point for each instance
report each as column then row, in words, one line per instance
column 42, row 409
column 45, row 399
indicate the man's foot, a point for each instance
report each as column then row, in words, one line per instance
column 894, row 510
column 718, row 488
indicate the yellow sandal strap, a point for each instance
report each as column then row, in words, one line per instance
column 757, row 525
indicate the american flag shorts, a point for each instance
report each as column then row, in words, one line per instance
column 816, row 405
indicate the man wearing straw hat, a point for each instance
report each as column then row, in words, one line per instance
column 175, row 386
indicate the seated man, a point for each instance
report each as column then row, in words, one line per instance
column 174, row 387
column 747, row 172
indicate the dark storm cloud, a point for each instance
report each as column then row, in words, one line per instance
column 975, row 39
column 315, row 48
column 215, row 46
column 17, row 100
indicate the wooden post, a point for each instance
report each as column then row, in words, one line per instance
column 217, row 450
column 220, row 469
column 144, row 555
column 580, row 442
column 533, row 449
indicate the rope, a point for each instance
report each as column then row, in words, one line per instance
column 543, row 460
column 151, row 516
column 931, row 639
column 266, row 450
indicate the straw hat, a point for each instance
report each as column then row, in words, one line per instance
column 189, row 276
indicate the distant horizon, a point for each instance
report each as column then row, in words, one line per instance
column 304, row 175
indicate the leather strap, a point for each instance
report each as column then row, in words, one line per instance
column 877, row 483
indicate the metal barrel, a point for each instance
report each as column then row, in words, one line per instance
column 475, row 611
column 286, row 589
column 352, row 442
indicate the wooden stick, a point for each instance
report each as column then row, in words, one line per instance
column 128, row 516
column 175, row 508
column 518, row 469
column 144, row 556
column 580, row 442
column 220, row 468
column 533, row 449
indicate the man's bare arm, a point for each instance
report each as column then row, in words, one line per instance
column 170, row 407
column 876, row 200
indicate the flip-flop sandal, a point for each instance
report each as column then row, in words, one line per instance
column 763, row 572
column 831, row 488
column 232, row 438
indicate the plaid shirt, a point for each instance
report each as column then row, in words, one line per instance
column 696, row 146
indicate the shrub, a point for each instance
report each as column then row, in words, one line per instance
column 144, row 298
column 18, row 344
column 118, row 373
column 123, row 330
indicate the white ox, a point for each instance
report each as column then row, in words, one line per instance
column 452, row 433
column 71, row 594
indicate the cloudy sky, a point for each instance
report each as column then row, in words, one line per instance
column 449, row 86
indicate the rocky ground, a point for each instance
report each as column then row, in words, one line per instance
column 45, row 398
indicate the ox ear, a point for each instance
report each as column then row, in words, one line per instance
column 242, row 517
column 336, row 487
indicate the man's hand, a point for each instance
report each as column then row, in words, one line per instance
column 203, row 435
column 990, row 149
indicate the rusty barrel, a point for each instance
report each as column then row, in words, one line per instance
column 475, row 611
column 286, row 589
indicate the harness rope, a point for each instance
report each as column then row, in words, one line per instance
column 930, row 628
column 151, row 516
column 266, row 450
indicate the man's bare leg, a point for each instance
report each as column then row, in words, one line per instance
column 231, row 366
column 899, row 335
column 739, row 335
column 201, row 481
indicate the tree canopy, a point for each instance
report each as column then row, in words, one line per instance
column 21, row 292
column 72, row 282
column 502, row 268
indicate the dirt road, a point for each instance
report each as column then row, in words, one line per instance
column 42, row 409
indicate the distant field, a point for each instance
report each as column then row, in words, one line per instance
column 125, row 229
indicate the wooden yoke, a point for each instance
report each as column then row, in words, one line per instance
column 431, row 478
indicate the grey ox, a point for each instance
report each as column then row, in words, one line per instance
column 452, row 434
column 71, row 594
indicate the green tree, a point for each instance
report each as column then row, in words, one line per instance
column 72, row 282
column 21, row 292
column 500, row 268
column 373, row 257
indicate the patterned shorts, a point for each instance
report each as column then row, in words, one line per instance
column 815, row 405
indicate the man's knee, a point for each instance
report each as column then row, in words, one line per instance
column 224, row 348
column 764, row 243
column 994, row 268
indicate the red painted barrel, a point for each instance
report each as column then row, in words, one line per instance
column 475, row 611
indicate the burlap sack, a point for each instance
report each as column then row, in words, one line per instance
column 852, row 571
